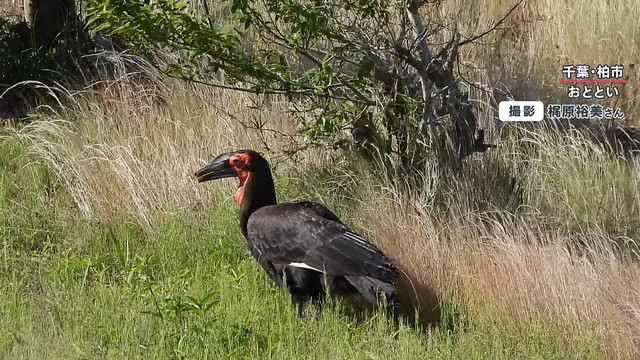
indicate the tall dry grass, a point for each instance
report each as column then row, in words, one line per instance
column 132, row 145
column 524, row 59
column 553, row 252
column 517, row 264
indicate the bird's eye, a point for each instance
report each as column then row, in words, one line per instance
column 236, row 161
column 239, row 160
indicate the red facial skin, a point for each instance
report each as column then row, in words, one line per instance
column 239, row 162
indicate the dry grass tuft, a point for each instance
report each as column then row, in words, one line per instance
column 513, row 264
column 124, row 149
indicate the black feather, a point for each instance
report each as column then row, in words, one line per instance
column 302, row 242
column 297, row 233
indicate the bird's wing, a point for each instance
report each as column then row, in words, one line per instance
column 295, row 234
column 318, row 209
column 274, row 274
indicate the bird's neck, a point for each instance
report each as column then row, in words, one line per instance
column 255, row 191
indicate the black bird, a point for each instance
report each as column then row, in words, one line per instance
column 303, row 242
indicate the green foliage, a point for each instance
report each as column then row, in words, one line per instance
column 149, row 25
column 18, row 60
column 335, row 61
column 27, row 187
column 23, row 63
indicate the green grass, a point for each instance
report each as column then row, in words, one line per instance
column 84, row 289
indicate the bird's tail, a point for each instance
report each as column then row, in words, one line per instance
column 372, row 288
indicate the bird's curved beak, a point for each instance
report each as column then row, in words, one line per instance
column 218, row 168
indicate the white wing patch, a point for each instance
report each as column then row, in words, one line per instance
column 304, row 266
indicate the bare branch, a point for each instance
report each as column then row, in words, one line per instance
column 494, row 27
column 419, row 31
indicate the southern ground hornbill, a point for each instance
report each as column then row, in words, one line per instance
column 302, row 242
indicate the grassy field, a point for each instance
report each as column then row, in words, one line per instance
column 110, row 248
column 78, row 287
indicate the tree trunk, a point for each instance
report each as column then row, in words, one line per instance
column 47, row 19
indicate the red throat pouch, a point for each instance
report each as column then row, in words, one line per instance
column 239, row 196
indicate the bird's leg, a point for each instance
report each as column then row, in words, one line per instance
column 295, row 285
column 394, row 307
column 298, row 303
column 299, row 300
column 318, row 301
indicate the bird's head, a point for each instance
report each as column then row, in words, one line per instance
column 233, row 164
column 256, row 188
column 242, row 164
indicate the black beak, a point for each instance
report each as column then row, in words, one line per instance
column 218, row 168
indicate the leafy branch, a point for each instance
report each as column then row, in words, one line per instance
column 363, row 65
